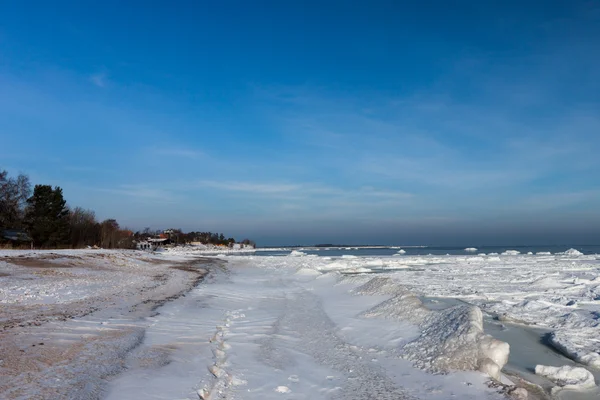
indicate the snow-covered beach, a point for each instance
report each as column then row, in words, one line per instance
column 68, row 319
column 300, row 325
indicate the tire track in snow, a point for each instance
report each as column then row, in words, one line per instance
column 305, row 319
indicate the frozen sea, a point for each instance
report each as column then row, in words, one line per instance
column 382, row 251
column 374, row 323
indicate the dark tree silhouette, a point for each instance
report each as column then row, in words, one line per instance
column 47, row 217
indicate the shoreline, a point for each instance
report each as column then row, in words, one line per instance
column 56, row 341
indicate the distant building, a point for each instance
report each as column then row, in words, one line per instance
column 153, row 243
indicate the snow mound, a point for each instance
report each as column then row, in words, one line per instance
column 453, row 339
column 571, row 252
column 404, row 307
column 380, row 285
column 450, row 339
column 307, row 272
column 511, row 253
column 471, row 249
column 578, row 346
column 567, row 377
column 296, row 253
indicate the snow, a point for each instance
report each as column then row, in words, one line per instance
column 453, row 339
column 333, row 327
column 572, row 252
column 297, row 253
column 567, row 377
column 283, row 332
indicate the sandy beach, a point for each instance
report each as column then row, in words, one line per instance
column 54, row 338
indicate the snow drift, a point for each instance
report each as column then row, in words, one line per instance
column 450, row 339
column 567, row 377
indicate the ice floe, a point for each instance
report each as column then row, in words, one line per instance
column 567, row 377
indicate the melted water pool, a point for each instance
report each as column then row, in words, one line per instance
column 527, row 349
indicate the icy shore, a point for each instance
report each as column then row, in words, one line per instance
column 298, row 326
column 560, row 292
column 70, row 319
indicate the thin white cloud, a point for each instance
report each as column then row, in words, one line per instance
column 249, row 187
column 141, row 191
column 99, row 79
column 304, row 191
column 178, row 152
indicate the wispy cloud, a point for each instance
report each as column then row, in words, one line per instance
column 99, row 79
column 249, row 187
column 141, row 192
column 306, row 192
column 434, row 140
column 176, row 152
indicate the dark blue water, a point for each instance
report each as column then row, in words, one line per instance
column 421, row 251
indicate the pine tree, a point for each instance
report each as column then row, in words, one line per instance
column 47, row 217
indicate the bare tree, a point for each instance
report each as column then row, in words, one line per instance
column 14, row 193
column 84, row 228
column 109, row 233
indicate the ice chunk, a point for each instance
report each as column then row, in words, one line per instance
column 296, row 253
column 547, row 282
column 578, row 346
column 567, row 377
column 453, row 339
column 511, row 253
column 401, row 251
column 471, row 249
column 572, row 252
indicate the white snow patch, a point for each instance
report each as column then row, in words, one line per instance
column 471, row 249
column 567, row 377
column 283, row 389
column 453, row 339
column 572, row 252
column 296, row 253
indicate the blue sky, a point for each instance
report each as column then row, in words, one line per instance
column 303, row 122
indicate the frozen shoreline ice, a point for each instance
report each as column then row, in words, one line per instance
column 557, row 291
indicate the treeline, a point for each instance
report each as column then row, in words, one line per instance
column 177, row 236
column 42, row 218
